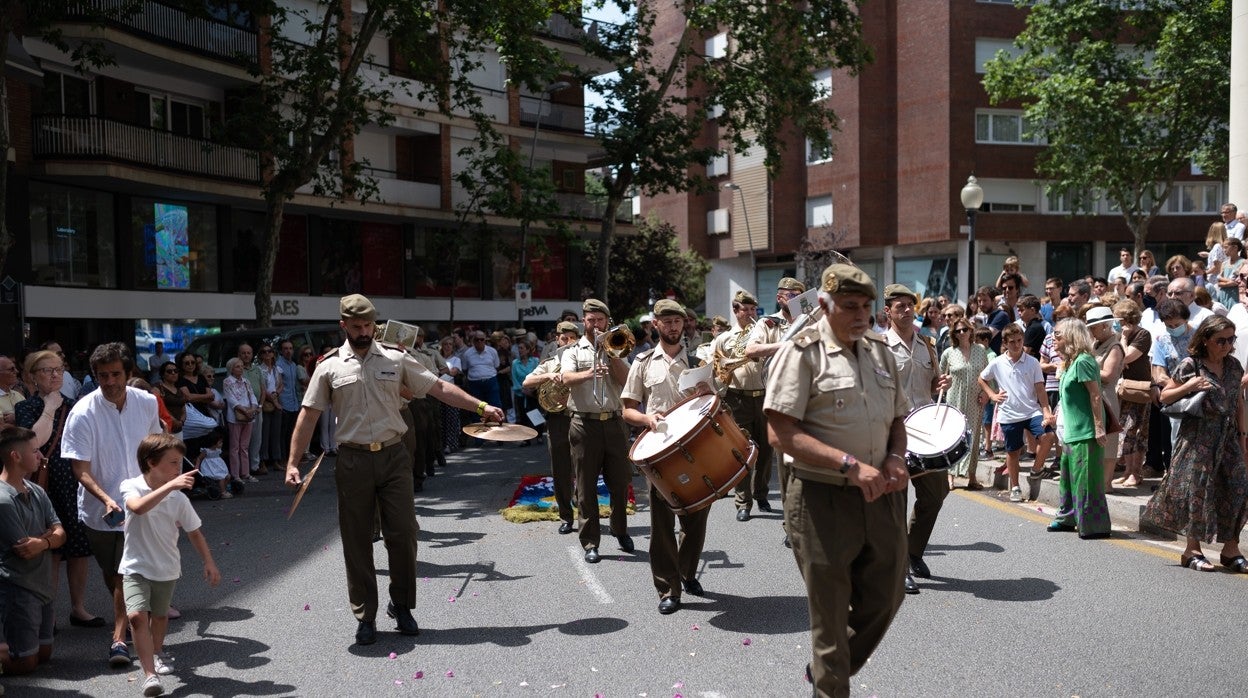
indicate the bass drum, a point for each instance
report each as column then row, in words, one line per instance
column 700, row 456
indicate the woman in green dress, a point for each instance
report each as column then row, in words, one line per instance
column 1081, row 486
column 963, row 361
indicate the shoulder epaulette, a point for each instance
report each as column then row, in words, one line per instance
column 806, row 337
column 643, row 355
column 875, row 337
column 770, row 321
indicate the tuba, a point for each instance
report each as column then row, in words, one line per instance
column 552, row 395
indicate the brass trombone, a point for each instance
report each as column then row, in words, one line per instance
column 615, row 343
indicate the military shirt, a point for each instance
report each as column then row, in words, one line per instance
column 916, row 364
column 768, row 330
column 364, row 393
column 845, row 396
column 748, row 376
column 654, row 379
column 580, row 357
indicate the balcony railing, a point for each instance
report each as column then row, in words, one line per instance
column 582, row 206
column 573, row 29
column 96, row 138
column 562, row 117
column 169, row 25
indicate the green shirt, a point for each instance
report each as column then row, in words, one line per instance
column 1076, row 404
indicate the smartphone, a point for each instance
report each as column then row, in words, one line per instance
column 114, row 518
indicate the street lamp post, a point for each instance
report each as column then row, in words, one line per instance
column 972, row 199
column 524, row 219
column 749, row 236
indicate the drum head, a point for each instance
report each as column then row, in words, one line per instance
column 681, row 421
column 934, row 429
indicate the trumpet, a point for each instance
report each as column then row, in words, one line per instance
column 615, row 343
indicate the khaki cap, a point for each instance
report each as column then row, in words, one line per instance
column 891, row 291
column 744, row 298
column 593, row 305
column 719, row 321
column 356, row 307
column 667, row 307
column 844, row 278
column 789, row 283
column 566, row 326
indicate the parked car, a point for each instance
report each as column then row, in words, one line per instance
column 220, row 348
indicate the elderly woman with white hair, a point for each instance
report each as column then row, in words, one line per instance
column 241, row 408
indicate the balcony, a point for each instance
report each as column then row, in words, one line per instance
column 555, row 116
column 392, row 189
column 171, row 26
column 584, row 207
column 94, row 138
column 570, row 29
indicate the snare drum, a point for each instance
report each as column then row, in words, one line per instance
column 700, row 456
column 936, row 439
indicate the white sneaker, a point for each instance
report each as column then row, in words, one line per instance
column 250, row 479
column 1016, row 494
column 162, row 665
column 152, row 687
column 225, row 494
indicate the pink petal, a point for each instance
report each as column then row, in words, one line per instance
column 678, row 684
column 695, row 627
column 392, row 655
column 450, row 674
column 746, row 642
column 475, row 594
column 307, row 607
column 418, row 675
column 452, row 599
column 678, row 696
column 398, row 682
column 237, row 580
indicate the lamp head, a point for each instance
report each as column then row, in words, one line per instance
column 972, row 194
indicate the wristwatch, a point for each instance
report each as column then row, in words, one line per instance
column 847, row 463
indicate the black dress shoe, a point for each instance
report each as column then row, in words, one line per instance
column 919, row 568
column 692, row 586
column 403, row 616
column 669, row 605
column 77, row 622
column 763, row 505
column 592, row 556
column 566, row 527
column 743, row 515
column 911, row 587
column 366, row 633
column 626, row 544
column 787, row 544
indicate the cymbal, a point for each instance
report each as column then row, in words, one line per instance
column 494, row 431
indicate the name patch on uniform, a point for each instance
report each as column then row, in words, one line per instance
column 881, row 373
column 387, row 375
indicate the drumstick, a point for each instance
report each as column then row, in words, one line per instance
column 944, row 413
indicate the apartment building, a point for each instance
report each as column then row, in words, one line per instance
column 133, row 217
column 914, row 125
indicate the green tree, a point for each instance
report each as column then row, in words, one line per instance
column 1123, row 100
column 650, row 261
column 653, row 112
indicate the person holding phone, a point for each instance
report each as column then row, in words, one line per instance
column 102, row 436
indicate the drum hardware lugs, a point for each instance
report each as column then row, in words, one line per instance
column 718, row 429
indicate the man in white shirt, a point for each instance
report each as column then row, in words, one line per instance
column 1126, row 268
column 1183, row 289
column 1022, row 405
column 1230, row 217
column 101, row 438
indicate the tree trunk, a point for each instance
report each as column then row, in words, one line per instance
column 273, row 216
column 605, row 235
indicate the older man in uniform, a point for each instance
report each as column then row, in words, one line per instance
column 597, row 435
column 763, row 343
column 362, row 381
column 557, row 425
column 653, row 379
column 834, row 402
column 920, row 377
column 745, row 399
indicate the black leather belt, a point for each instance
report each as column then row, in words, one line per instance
column 746, row 393
column 371, row 447
column 596, row 416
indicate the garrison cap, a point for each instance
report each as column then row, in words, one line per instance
column 667, row 307
column 593, row 305
column 744, row 298
column 789, row 283
column 566, row 326
column 845, row 278
column 892, row 291
column 719, row 321
column 356, row 307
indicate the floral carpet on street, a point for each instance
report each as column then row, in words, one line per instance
column 534, row 500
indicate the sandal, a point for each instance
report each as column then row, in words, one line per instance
column 1197, row 562
column 1235, row 564
column 974, row 486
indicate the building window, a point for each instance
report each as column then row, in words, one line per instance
column 72, row 237
column 177, row 243
column 64, row 94
column 1008, row 208
column 717, row 222
column 822, row 83
column 928, row 276
column 818, row 154
column 361, row 258
column 986, row 49
column 819, row 211
column 1064, row 202
column 717, row 46
column 447, row 261
column 1002, row 127
column 1194, row 198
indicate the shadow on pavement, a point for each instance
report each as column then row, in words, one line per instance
column 1024, row 589
column 765, row 615
column 981, row 547
column 502, row 636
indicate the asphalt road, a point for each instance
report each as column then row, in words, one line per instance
column 512, row 610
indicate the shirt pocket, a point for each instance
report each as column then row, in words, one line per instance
column 843, row 398
column 344, row 382
column 656, row 373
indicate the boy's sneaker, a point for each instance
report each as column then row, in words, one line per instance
column 163, row 665
column 1016, row 494
column 119, row 656
column 225, row 494
column 152, row 687
column 250, row 478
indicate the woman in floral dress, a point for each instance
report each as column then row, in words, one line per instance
column 963, row 361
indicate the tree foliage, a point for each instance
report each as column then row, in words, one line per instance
column 652, row 110
column 645, row 265
column 1124, row 100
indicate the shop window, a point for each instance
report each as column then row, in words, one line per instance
column 176, row 244
column 928, row 276
column 361, row 258
column 446, row 261
column 73, row 242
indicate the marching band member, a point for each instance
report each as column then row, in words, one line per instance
column 557, row 424
column 744, row 378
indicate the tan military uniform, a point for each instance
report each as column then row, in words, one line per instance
column 374, row 470
column 768, row 330
column 427, row 418
column 851, row 553
column 598, row 439
column 918, row 368
column 744, row 398
column 557, row 425
column 653, row 379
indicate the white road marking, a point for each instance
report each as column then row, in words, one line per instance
column 591, row 580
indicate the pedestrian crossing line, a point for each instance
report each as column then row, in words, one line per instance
column 587, row 575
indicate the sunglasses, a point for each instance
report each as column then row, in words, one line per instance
column 1224, row 341
column 961, row 330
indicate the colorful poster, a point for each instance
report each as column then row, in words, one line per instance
column 172, row 247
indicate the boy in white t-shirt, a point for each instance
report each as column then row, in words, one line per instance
column 150, row 565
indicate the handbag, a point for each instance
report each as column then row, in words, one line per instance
column 1112, row 424
column 1188, row 406
column 1138, row 392
column 241, row 414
